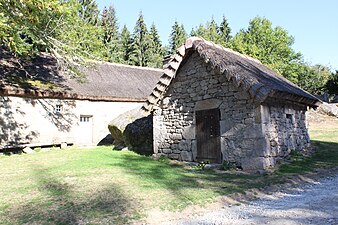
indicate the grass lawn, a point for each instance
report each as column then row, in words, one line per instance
column 104, row 186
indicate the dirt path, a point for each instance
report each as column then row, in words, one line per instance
column 315, row 203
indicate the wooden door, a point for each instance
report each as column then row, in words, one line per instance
column 208, row 136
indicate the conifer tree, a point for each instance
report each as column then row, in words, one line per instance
column 177, row 37
column 89, row 11
column 140, row 48
column 212, row 31
column 111, row 36
column 157, row 50
column 126, row 43
column 224, row 31
column 199, row 32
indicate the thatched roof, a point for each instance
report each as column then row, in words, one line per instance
column 245, row 72
column 41, row 77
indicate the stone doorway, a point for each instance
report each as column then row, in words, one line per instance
column 208, row 136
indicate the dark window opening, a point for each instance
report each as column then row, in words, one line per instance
column 58, row 108
column 85, row 119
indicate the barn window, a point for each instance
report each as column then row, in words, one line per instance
column 58, row 108
column 289, row 117
column 84, row 119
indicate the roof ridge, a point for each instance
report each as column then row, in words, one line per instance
column 193, row 39
column 128, row 66
column 258, row 90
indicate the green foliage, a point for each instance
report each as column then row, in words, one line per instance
column 111, row 36
column 209, row 32
column 126, row 43
column 177, row 37
column 224, row 32
column 332, row 84
column 212, row 32
column 226, row 165
column 157, row 50
column 272, row 46
column 141, row 43
column 89, row 11
column 314, row 78
column 31, row 26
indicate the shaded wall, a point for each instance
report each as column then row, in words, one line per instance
column 35, row 121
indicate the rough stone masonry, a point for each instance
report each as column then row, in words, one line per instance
column 253, row 135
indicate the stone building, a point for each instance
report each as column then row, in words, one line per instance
column 213, row 104
column 41, row 105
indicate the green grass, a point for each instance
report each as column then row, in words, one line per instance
column 325, row 140
column 104, row 186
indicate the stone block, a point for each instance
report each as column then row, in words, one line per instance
column 257, row 163
column 186, row 156
column 208, row 104
column 184, row 145
column 253, row 131
column 28, row 150
column 176, row 151
column 176, row 136
column 63, row 145
column 242, row 95
column 189, row 132
column 174, row 146
column 174, row 156
column 213, row 81
column 207, row 96
column 194, row 149
column 166, row 151
column 226, row 125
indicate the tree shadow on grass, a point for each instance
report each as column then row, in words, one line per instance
column 184, row 185
column 61, row 203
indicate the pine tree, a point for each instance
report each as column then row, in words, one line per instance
column 224, row 31
column 199, row 32
column 212, row 33
column 157, row 50
column 177, row 37
column 126, row 43
column 111, row 36
column 89, row 11
column 140, row 49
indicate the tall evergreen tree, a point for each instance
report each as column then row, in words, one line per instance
column 157, row 50
column 209, row 31
column 140, row 49
column 212, row 31
column 111, row 36
column 89, row 11
column 177, row 37
column 126, row 43
column 199, row 31
column 224, row 32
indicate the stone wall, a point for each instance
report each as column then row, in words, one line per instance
column 253, row 136
column 197, row 87
column 285, row 128
column 35, row 121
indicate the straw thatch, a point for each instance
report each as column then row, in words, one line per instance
column 41, row 77
column 245, row 72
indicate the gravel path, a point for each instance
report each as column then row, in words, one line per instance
column 315, row 203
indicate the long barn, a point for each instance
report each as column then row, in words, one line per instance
column 41, row 105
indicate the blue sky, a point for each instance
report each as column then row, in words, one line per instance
column 313, row 24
